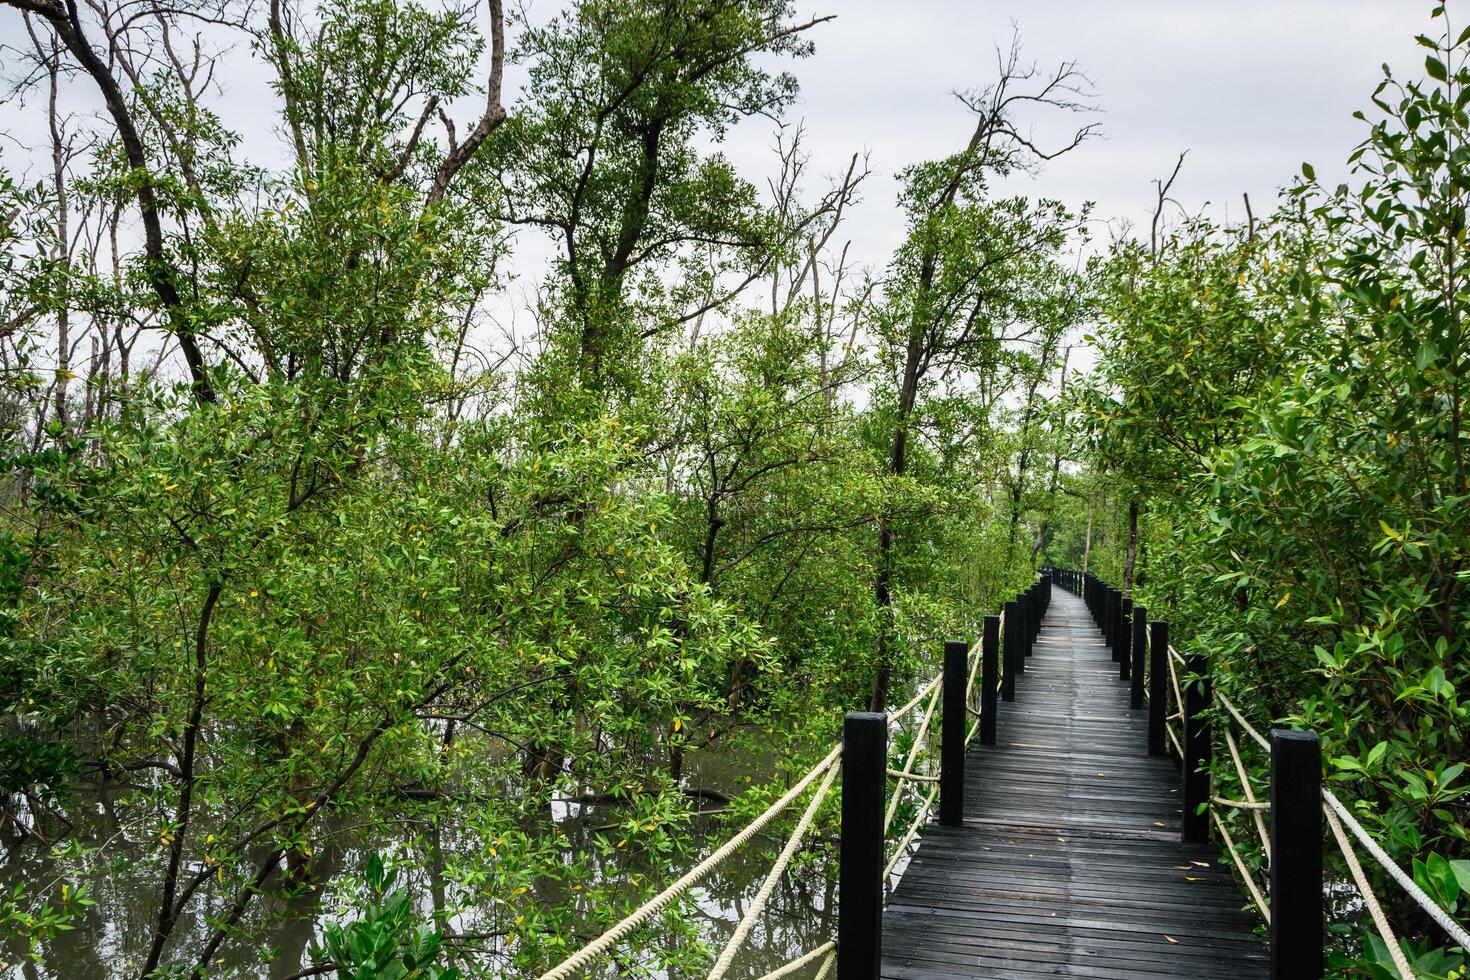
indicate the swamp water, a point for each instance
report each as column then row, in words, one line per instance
column 110, row 939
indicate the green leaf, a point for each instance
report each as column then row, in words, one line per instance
column 1436, row 69
column 1461, row 869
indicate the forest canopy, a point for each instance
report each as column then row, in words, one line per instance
column 341, row 631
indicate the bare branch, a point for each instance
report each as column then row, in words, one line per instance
column 494, row 115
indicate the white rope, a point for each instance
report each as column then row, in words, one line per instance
column 912, row 777
column 1250, row 881
column 638, row 916
column 1250, row 794
column 1369, row 899
column 1454, row 929
column 927, row 689
column 913, row 755
column 827, row 965
column 1261, row 740
column 975, row 658
column 828, row 949
column 1174, row 681
column 757, row 904
column 914, row 826
column 1251, row 805
column 1439, row 915
column 1175, row 739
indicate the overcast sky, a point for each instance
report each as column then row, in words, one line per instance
column 1251, row 88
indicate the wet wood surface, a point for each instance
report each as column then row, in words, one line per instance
column 1069, row 863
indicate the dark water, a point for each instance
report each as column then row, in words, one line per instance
column 111, row 938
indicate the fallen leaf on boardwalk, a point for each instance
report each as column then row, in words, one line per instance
column 1158, row 823
column 1171, row 939
column 1188, row 878
column 1200, row 864
column 1062, row 839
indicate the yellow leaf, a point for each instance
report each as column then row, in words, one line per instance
column 678, row 724
column 1283, row 600
column 1171, row 939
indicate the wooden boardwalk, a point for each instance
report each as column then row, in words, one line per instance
column 1069, row 863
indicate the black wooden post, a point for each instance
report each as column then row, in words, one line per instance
column 952, row 736
column 1033, row 615
column 1023, row 627
column 1125, row 639
column 1012, row 645
column 1125, row 642
column 1023, row 632
column 989, row 675
column 1158, row 680
column 860, row 849
column 1197, row 752
column 1297, row 922
column 1140, row 638
column 1110, row 620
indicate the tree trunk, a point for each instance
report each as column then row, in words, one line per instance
column 1087, row 543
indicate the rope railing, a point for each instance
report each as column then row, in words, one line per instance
column 588, row 953
column 1441, row 918
column 895, row 799
column 827, row 949
column 1250, row 882
column 909, row 775
column 1375, row 911
column 913, row 829
column 1340, row 822
column 1250, row 795
column 757, row 904
column 1347, row 832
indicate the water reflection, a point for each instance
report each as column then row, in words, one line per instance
column 111, row 938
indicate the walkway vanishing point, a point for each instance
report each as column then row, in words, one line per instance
column 1069, row 861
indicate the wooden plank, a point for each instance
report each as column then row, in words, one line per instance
column 1069, row 861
